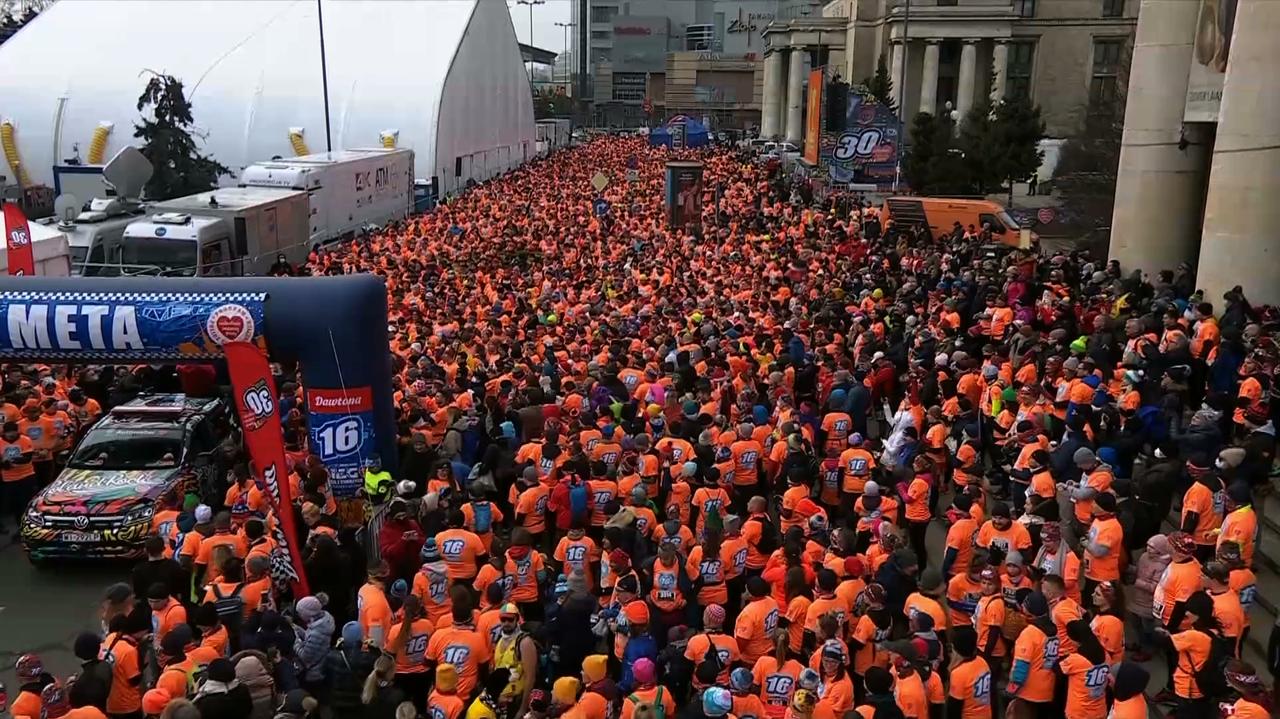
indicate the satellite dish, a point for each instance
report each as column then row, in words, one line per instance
column 66, row 207
column 128, row 172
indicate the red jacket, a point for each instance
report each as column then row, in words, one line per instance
column 401, row 552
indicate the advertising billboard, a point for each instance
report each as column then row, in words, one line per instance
column 684, row 193
column 1214, row 28
column 866, row 150
column 813, row 117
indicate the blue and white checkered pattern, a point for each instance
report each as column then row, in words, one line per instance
column 134, row 296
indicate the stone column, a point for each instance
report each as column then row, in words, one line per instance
column 1240, row 245
column 929, row 78
column 795, row 96
column 1000, row 65
column 1155, row 224
column 968, row 74
column 898, row 55
column 771, row 104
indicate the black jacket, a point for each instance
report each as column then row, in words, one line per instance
column 344, row 673
column 383, row 705
column 158, row 571
column 234, row 704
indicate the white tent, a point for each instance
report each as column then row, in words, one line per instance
column 445, row 76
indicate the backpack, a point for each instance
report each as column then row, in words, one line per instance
column 230, row 608
column 768, row 536
column 483, row 516
column 579, row 501
column 656, row 708
column 1210, row 676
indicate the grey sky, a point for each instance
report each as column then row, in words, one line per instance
column 545, row 16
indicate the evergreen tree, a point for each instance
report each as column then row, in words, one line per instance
column 919, row 159
column 978, row 141
column 166, row 127
column 1017, row 132
column 880, row 86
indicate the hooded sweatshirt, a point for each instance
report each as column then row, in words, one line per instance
column 1151, row 566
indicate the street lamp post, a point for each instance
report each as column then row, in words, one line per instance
column 568, row 68
column 531, row 3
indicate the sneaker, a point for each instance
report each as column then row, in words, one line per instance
column 1165, row 697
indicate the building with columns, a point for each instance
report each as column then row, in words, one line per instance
column 1199, row 166
column 1065, row 54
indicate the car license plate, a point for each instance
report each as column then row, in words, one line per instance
column 81, row 537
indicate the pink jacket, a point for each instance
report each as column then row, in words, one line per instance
column 1151, row 565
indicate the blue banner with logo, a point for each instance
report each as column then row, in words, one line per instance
column 127, row 326
column 341, row 425
column 866, row 151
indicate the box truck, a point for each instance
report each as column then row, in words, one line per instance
column 227, row 232
column 350, row 190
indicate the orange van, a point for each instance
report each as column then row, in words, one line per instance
column 940, row 214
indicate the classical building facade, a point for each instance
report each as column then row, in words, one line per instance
column 1065, row 54
column 1200, row 159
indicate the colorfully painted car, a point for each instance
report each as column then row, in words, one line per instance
column 101, row 505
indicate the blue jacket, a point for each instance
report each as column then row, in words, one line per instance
column 637, row 648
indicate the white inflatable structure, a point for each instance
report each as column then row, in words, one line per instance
column 443, row 77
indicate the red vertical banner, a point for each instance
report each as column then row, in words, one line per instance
column 17, row 234
column 260, row 421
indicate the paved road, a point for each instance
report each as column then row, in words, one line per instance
column 44, row 610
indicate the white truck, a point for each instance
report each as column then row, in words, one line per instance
column 350, row 190
column 221, row 233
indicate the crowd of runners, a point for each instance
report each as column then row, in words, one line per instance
column 792, row 463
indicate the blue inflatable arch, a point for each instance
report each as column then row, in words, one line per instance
column 334, row 327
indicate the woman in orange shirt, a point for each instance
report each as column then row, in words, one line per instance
column 1107, row 623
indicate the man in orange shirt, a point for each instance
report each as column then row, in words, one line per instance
column 1103, row 544
column 746, row 454
column 757, row 621
column 463, row 550
column 531, row 507
column 17, row 473
column 1203, row 505
column 857, row 465
column 1036, row 651
column 222, row 536
column 972, row 683
column 462, row 646
column 374, row 610
column 167, row 613
column 120, row 648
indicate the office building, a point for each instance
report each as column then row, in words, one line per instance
column 699, row 57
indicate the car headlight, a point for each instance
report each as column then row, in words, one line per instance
column 35, row 516
column 139, row 514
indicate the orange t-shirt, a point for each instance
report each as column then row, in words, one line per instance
column 465, row 649
column 971, row 685
column 1106, row 532
column 375, row 614
column 459, row 548
column 1040, row 652
column 988, row 618
column 409, row 657
column 531, row 507
column 1086, row 686
column 755, row 626
column 777, row 683
column 126, row 687
column 13, row 451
